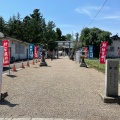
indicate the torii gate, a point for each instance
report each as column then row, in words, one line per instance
column 63, row 42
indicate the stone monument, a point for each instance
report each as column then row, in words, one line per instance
column 111, row 82
column 43, row 63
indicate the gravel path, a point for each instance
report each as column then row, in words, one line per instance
column 62, row 90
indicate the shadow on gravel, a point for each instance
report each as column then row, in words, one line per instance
column 59, row 58
column 45, row 66
column 36, row 67
column 12, row 76
column 5, row 102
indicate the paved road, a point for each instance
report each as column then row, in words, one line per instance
column 63, row 90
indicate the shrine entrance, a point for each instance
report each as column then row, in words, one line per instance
column 66, row 45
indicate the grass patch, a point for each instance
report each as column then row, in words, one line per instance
column 94, row 63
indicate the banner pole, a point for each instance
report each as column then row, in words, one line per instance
column 9, row 60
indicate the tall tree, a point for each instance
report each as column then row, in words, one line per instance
column 36, row 22
column 77, row 35
column 59, row 33
column 11, row 27
column 51, row 35
column 63, row 38
column 69, row 36
column 2, row 24
column 27, row 29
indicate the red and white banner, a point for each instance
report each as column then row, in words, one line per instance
column 103, row 49
column 35, row 51
column 85, row 49
column 6, row 56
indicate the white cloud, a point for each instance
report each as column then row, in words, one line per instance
column 92, row 10
column 83, row 11
column 89, row 10
column 111, row 17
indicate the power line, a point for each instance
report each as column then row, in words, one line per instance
column 97, row 13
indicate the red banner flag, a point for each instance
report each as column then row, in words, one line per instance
column 35, row 51
column 6, row 57
column 103, row 49
column 85, row 49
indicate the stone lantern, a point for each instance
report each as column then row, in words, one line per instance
column 82, row 64
column 43, row 63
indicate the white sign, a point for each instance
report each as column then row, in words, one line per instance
column 1, row 67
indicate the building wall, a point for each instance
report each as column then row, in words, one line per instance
column 18, row 49
column 114, row 49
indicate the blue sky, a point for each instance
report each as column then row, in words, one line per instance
column 69, row 15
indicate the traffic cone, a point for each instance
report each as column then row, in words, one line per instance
column 14, row 68
column 33, row 62
column 28, row 63
column 22, row 66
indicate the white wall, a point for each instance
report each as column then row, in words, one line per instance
column 114, row 53
column 18, row 55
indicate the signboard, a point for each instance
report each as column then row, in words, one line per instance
column 31, row 46
column 1, row 66
column 39, row 52
column 35, row 51
column 103, row 48
column 90, row 52
column 6, row 57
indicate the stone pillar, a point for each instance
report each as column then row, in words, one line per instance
column 57, row 51
column 1, row 68
column 111, row 78
column 69, row 49
column 53, row 54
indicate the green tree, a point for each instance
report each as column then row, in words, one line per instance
column 32, row 29
column 27, row 29
column 63, row 38
column 51, row 35
column 11, row 27
column 94, row 36
column 35, row 25
column 14, row 27
column 77, row 35
column 69, row 36
column 59, row 34
column 2, row 25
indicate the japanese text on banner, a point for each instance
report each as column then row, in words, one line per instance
column 103, row 48
column 35, row 52
column 6, row 57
